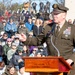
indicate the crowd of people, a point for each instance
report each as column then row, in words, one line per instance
column 12, row 48
column 28, row 34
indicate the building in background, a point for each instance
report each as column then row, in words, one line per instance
column 71, row 5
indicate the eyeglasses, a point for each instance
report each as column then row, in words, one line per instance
column 5, row 36
column 34, row 50
column 9, row 41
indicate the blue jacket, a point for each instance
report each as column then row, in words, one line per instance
column 12, row 27
column 29, row 26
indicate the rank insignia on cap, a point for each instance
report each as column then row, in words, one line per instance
column 55, row 6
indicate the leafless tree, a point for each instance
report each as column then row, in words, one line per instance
column 60, row 1
column 7, row 2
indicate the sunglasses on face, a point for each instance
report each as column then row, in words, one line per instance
column 9, row 41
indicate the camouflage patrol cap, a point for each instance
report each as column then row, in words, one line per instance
column 59, row 8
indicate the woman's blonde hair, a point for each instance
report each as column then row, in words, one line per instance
column 36, row 22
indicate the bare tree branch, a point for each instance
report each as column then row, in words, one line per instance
column 7, row 1
column 60, row 1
